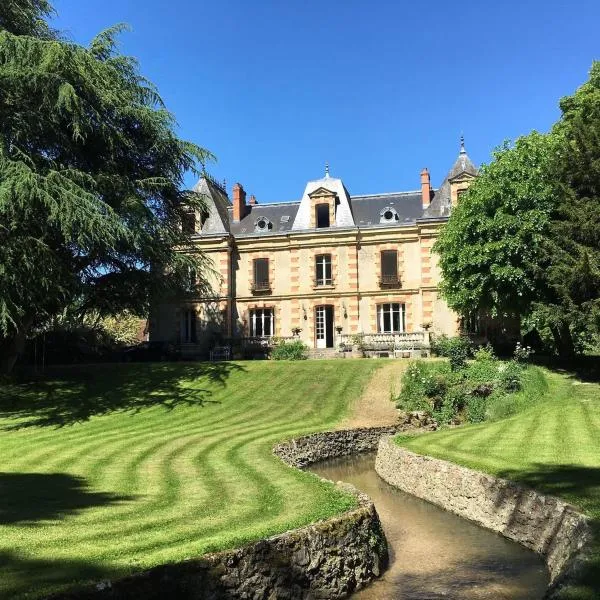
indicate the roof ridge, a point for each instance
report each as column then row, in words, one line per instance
column 388, row 194
column 285, row 202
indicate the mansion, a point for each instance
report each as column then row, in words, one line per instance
column 322, row 269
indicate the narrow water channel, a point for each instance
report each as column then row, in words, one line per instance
column 435, row 554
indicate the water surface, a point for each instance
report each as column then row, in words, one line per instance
column 435, row 554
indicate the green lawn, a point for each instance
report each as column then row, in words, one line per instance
column 110, row 469
column 553, row 446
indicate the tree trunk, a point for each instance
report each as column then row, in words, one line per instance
column 563, row 339
column 10, row 348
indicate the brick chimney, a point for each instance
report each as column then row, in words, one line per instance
column 252, row 201
column 425, row 188
column 239, row 202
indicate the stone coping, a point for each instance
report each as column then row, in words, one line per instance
column 545, row 524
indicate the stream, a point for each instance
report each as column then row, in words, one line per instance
column 435, row 554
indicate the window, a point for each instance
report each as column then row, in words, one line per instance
column 388, row 215
column 322, row 215
column 188, row 223
column 391, row 318
column 262, row 322
column 389, row 267
column 261, row 274
column 262, row 224
column 188, row 326
column 323, row 270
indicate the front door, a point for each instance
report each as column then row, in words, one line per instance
column 324, row 326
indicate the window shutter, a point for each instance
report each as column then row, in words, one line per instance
column 389, row 264
column 261, row 271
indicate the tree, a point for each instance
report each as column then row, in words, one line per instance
column 91, row 180
column 493, row 250
column 525, row 240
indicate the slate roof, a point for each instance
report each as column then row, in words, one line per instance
column 441, row 203
column 365, row 211
column 272, row 212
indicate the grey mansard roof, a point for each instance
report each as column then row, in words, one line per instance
column 363, row 212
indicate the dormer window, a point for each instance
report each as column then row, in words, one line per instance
column 389, row 215
column 322, row 215
column 188, row 223
column 262, row 224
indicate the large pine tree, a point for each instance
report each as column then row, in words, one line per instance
column 91, row 179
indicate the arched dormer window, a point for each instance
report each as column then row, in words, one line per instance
column 262, row 224
column 389, row 215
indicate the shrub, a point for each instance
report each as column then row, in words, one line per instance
column 466, row 394
column 456, row 349
column 522, row 353
column 476, row 409
column 422, row 385
column 510, row 376
column 295, row 350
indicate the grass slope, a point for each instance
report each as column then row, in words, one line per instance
column 553, row 446
column 110, row 469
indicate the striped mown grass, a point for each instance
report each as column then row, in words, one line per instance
column 110, row 469
column 553, row 446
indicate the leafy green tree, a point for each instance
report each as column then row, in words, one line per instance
column 525, row 240
column 91, row 180
column 493, row 250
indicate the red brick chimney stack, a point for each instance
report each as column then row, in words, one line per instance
column 425, row 188
column 239, row 202
column 253, row 201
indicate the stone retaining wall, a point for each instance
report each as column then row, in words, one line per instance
column 309, row 449
column 328, row 559
column 545, row 524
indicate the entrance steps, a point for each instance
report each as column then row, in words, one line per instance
column 324, row 353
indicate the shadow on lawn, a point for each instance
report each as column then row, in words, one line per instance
column 67, row 395
column 574, row 483
column 31, row 497
column 20, row 576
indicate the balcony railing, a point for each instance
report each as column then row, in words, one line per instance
column 261, row 287
column 389, row 281
column 388, row 341
column 323, row 282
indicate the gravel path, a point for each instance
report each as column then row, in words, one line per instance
column 375, row 407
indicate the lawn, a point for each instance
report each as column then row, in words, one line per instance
column 553, row 446
column 110, row 469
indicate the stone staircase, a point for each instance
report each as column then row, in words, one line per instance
column 324, row 353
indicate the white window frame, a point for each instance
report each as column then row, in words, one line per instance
column 321, row 263
column 391, row 308
column 189, row 318
column 264, row 316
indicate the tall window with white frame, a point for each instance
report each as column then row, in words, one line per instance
column 189, row 326
column 391, row 317
column 323, row 274
column 262, row 322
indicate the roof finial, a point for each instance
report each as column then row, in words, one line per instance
column 462, row 144
column 326, row 169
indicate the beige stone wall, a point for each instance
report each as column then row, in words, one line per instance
column 355, row 292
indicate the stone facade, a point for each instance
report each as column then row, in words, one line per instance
column 294, row 294
column 545, row 524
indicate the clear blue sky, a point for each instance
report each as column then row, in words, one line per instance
column 379, row 89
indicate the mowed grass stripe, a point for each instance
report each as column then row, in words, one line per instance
column 165, row 474
column 558, row 442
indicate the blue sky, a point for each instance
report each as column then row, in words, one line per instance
column 379, row 89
